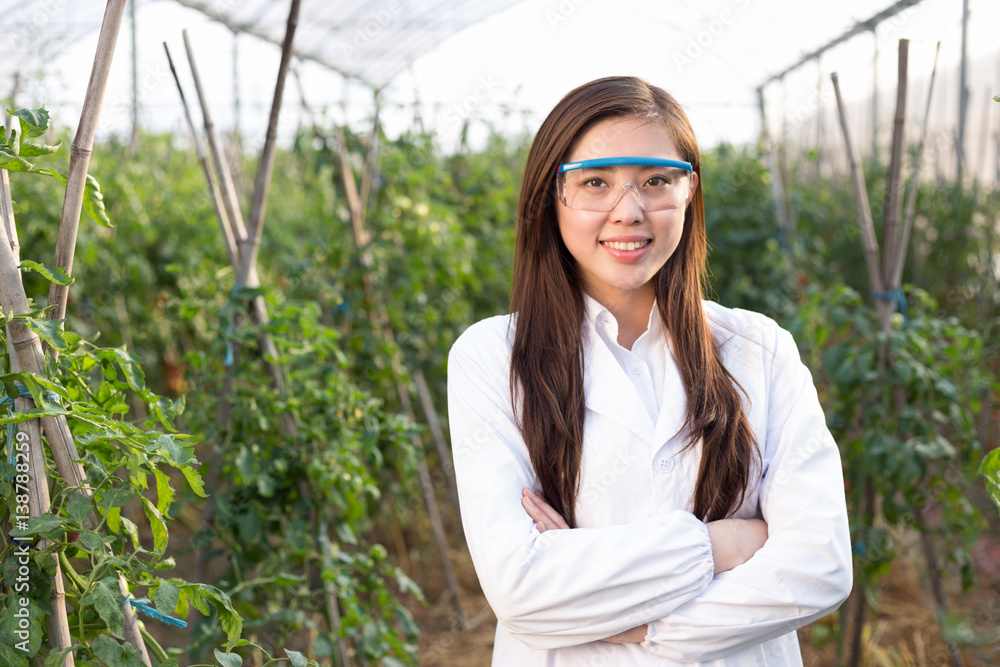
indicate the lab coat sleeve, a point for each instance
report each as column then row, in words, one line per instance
column 563, row 587
column 803, row 571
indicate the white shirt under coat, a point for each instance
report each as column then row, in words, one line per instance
column 639, row 556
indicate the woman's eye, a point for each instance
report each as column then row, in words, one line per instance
column 658, row 182
column 593, row 183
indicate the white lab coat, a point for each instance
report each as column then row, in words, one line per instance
column 638, row 555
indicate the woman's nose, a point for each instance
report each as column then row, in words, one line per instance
column 628, row 209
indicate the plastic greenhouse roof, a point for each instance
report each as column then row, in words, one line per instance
column 434, row 55
column 368, row 40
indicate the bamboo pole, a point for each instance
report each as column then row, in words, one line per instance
column 79, row 156
column 232, row 204
column 868, row 239
column 777, row 186
column 963, row 94
column 256, row 307
column 250, row 245
column 39, row 501
column 220, row 210
column 27, row 349
column 371, row 158
column 894, row 181
column 246, row 275
column 134, row 143
column 911, row 199
column 437, row 434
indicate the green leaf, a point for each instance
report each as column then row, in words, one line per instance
column 93, row 202
column 116, row 496
column 13, row 162
column 30, row 623
column 51, row 172
column 114, row 654
column 79, row 507
column 956, row 630
column 173, row 451
column 166, row 597
column 91, row 541
column 34, row 122
column 200, row 595
column 48, row 330
column 298, row 659
column 195, row 481
column 129, row 363
column 228, row 659
column 56, row 658
column 29, row 149
column 114, row 519
column 131, row 529
column 990, row 470
column 156, row 524
column 38, row 525
column 53, row 274
column 164, row 492
column 106, row 598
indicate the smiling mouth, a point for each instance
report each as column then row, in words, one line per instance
column 630, row 245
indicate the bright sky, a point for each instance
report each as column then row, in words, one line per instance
column 710, row 54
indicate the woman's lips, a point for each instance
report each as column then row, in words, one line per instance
column 627, row 250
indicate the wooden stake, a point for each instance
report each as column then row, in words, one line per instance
column 777, row 186
column 868, row 239
column 232, row 204
column 220, row 210
column 911, row 200
column 79, row 156
column 38, row 485
column 434, row 424
column 894, row 181
column 251, row 244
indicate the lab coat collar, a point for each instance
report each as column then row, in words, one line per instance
column 608, row 389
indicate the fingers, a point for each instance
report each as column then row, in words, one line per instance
column 541, row 512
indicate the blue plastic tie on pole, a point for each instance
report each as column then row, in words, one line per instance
column 898, row 298
column 145, row 606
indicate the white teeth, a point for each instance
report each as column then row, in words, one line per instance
column 631, row 245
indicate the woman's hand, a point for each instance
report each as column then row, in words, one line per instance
column 636, row 635
column 734, row 541
column 541, row 512
column 546, row 518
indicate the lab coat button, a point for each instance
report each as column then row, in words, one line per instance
column 636, row 370
column 665, row 465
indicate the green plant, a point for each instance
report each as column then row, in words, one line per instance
column 915, row 459
column 92, row 534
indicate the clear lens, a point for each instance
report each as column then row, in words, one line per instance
column 656, row 188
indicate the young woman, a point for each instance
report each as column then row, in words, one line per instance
column 645, row 477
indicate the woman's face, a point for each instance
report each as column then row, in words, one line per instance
column 600, row 242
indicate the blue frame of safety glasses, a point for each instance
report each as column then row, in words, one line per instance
column 615, row 161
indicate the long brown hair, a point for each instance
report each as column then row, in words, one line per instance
column 547, row 296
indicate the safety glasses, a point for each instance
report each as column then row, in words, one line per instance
column 658, row 184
